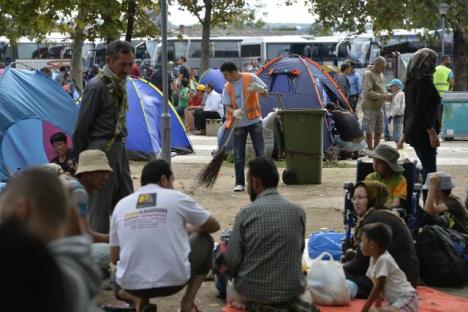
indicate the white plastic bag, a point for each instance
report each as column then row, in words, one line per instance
column 327, row 283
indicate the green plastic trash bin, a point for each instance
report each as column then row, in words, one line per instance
column 455, row 115
column 302, row 136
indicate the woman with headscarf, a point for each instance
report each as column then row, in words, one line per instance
column 369, row 200
column 422, row 112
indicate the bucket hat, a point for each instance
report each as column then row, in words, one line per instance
column 445, row 181
column 92, row 160
column 388, row 154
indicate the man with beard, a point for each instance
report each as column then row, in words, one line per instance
column 267, row 234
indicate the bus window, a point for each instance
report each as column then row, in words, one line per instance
column 195, row 49
column 89, row 59
column 180, row 48
column 280, row 49
column 277, row 49
column 27, row 50
column 226, row 49
column 251, row 50
column 140, row 52
column 101, row 57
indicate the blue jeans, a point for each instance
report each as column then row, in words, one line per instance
column 240, row 138
column 397, row 127
column 386, row 129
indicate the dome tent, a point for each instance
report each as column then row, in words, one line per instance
column 145, row 107
column 303, row 84
column 32, row 107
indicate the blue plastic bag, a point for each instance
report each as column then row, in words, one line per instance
column 328, row 241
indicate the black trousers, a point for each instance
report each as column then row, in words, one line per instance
column 200, row 118
column 119, row 185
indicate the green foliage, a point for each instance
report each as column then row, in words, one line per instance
column 317, row 29
column 384, row 15
column 96, row 18
column 221, row 11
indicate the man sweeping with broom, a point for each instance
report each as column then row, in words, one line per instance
column 243, row 115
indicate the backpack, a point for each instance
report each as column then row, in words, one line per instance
column 442, row 253
column 219, row 264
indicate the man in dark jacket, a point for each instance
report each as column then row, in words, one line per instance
column 101, row 125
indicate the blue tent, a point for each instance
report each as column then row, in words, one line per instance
column 145, row 106
column 303, row 84
column 215, row 77
column 32, row 107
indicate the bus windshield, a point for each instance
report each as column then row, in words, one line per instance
column 359, row 49
column 284, row 49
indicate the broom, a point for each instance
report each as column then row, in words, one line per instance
column 208, row 175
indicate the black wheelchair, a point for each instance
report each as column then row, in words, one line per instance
column 411, row 212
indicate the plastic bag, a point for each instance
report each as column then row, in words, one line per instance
column 327, row 283
column 328, row 241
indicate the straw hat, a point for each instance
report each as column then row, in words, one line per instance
column 388, row 154
column 92, row 160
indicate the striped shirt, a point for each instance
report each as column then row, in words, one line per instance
column 265, row 249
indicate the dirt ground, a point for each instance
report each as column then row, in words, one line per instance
column 323, row 205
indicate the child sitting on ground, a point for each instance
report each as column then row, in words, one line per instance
column 389, row 281
column 440, row 200
column 388, row 171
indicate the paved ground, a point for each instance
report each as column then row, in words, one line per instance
column 450, row 153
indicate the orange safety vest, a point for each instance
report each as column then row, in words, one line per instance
column 251, row 102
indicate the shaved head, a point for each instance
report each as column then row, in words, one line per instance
column 38, row 198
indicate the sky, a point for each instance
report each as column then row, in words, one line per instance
column 274, row 14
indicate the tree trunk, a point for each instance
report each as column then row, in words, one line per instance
column 205, row 43
column 77, row 63
column 130, row 20
column 460, row 59
column 76, row 70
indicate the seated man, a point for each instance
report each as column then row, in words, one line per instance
column 151, row 245
column 210, row 109
column 265, row 249
column 440, row 200
column 38, row 199
column 347, row 133
column 64, row 156
column 92, row 172
column 388, row 171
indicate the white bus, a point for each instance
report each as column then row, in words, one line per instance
column 53, row 51
column 222, row 49
column 263, row 49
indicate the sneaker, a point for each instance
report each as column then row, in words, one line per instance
column 239, row 188
column 149, row 308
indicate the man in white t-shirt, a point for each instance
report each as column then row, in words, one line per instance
column 211, row 108
column 151, row 245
